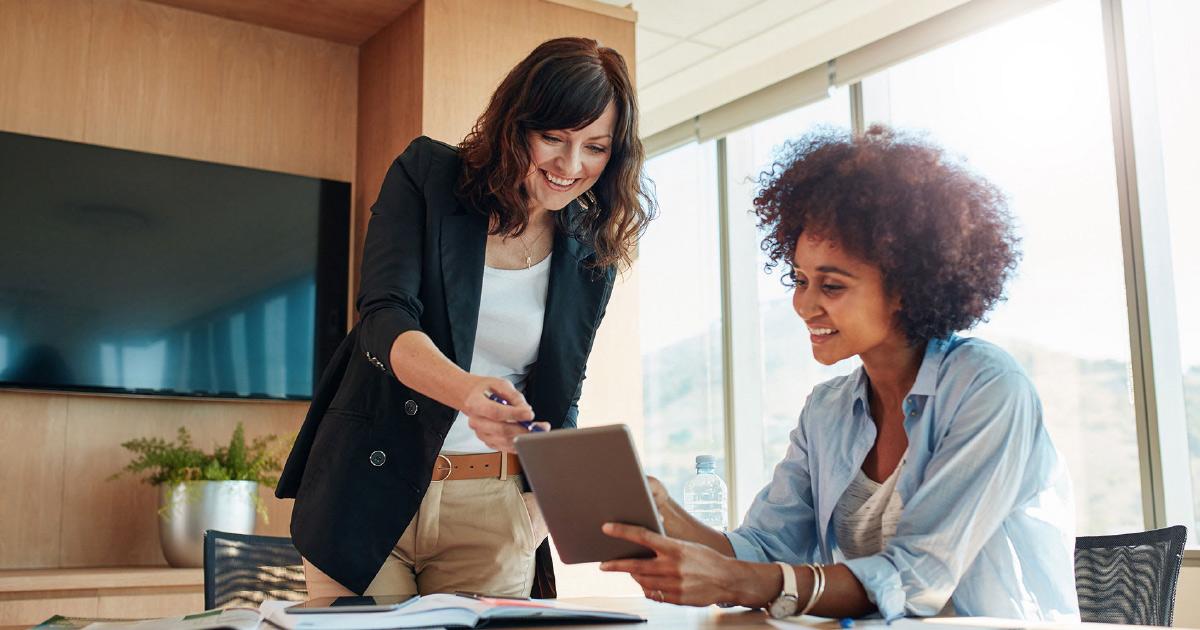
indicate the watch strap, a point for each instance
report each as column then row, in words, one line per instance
column 789, row 580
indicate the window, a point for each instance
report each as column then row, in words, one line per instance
column 1045, row 138
column 681, row 336
column 1169, row 92
column 776, row 347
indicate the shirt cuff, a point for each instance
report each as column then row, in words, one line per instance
column 881, row 580
column 743, row 549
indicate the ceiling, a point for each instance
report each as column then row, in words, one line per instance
column 696, row 55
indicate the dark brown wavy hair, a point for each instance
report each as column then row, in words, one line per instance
column 564, row 83
column 941, row 235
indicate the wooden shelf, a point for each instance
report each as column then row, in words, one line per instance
column 29, row 596
column 43, row 580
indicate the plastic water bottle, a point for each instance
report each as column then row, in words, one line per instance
column 704, row 494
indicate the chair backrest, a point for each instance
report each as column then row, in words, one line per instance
column 1129, row 578
column 243, row 570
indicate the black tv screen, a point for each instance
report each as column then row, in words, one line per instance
column 133, row 273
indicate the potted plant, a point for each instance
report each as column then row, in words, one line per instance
column 199, row 491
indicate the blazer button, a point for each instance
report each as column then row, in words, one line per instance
column 377, row 458
column 410, row 407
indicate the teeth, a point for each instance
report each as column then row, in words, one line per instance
column 820, row 332
column 560, row 182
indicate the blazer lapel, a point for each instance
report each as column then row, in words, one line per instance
column 572, row 305
column 463, row 239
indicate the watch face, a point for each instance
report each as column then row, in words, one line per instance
column 783, row 606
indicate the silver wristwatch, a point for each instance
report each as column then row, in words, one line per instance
column 788, row 601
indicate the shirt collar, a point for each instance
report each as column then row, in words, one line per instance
column 926, row 381
column 924, row 385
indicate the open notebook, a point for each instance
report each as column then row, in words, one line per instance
column 446, row 611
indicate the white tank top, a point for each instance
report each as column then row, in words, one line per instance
column 512, row 307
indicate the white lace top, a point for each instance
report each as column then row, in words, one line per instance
column 865, row 518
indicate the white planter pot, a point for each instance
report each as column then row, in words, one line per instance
column 187, row 509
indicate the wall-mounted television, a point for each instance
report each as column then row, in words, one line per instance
column 131, row 273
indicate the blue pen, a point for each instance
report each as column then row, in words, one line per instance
column 528, row 424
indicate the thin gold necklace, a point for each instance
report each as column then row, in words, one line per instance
column 528, row 252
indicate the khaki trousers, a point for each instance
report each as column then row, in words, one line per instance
column 470, row 535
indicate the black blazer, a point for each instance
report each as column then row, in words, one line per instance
column 365, row 454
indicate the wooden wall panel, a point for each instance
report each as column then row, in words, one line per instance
column 346, row 21
column 171, row 81
column 471, row 46
column 150, row 604
column 151, row 78
column 27, row 609
column 389, row 110
column 28, row 597
column 122, row 512
column 43, row 67
column 33, row 430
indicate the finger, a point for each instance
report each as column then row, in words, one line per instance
column 505, row 413
column 517, row 414
column 669, row 586
column 638, row 567
column 505, row 390
column 629, row 565
column 503, row 430
column 495, row 440
column 495, row 427
column 639, row 535
column 660, row 594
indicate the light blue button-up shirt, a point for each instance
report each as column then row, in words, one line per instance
column 988, row 520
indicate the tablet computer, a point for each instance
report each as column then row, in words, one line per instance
column 584, row 478
column 349, row 604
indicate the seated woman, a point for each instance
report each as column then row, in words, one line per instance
column 924, row 482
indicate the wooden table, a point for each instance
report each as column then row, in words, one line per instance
column 669, row 617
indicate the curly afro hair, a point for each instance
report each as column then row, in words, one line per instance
column 941, row 235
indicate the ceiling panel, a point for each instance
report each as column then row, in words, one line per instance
column 672, row 60
column 650, row 43
column 681, row 19
column 754, row 21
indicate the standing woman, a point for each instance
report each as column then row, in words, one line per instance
column 486, row 272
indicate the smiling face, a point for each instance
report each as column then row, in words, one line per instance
column 565, row 163
column 842, row 300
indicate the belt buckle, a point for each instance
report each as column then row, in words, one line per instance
column 449, row 468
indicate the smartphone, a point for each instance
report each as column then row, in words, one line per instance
column 355, row 604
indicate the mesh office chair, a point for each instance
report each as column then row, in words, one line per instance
column 1129, row 578
column 243, row 570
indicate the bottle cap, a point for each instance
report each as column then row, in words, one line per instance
column 706, row 460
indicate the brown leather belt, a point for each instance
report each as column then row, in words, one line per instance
column 479, row 466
